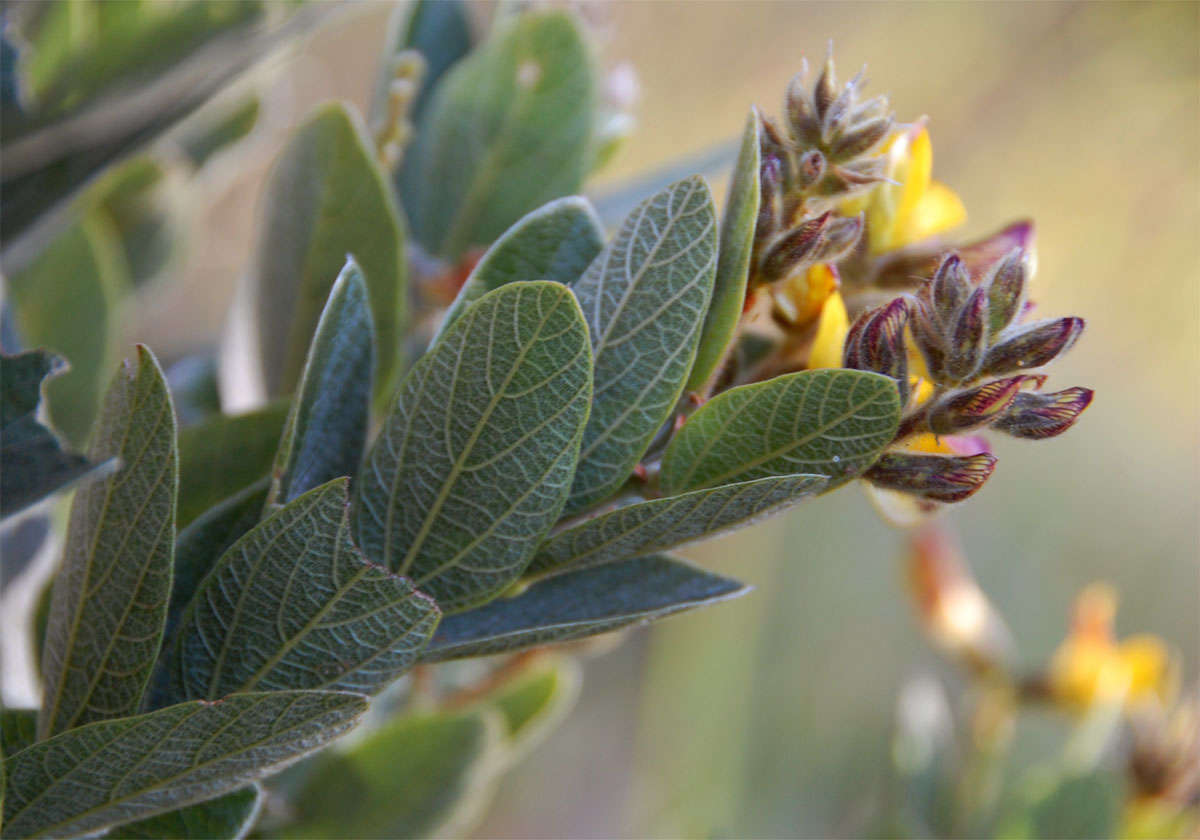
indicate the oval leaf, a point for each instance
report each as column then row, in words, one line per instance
column 580, row 603
column 475, row 459
column 229, row 817
column 110, row 598
column 827, row 422
column 293, row 604
column 648, row 527
column 94, row 777
column 508, row 129
column 733, row 259
column 644, row 298
column 327, row 424
column 556, row 243
column 326, row 198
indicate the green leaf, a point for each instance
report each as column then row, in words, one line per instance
column 326, row 198
column 97, row 776
column 419, row 776
column 224, row 454
column 134, row 197
column 207, row 538
column 293, row 604
column 580, row 603
column 18, row 729
column 827, row 422
column 649, row 527
column 64, row 300
column 535, row 702
column 556, row 242
column 215, row 134
column 441, row 32
column 1066, row 805
column 327, row 424
column 229, row 817
column 110, row 597
column 32, row 461
column 733, row 259
column 508, row 129
column 644, row 299
column 475, row 459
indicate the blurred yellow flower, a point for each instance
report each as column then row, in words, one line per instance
column 1091, row 667
column 914, row 207
column 802, row 296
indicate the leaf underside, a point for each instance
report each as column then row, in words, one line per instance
column 228, row 817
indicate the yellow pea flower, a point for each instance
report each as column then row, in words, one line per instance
column 1091, row 666
column 831, row 333
column 913, row 208
column 802, row 296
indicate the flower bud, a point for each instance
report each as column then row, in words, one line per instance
column 1032, row 346
column 949, row 289
column 811, row 168
column 967, row 338
column 1005, row 286
column 861, row 138
column 825, row 90
column 841, row 235
column 862, row 172
column 794, row 248
column 1038, row 416
column 974, row 407
column 928, row 338
column 879, row 345
column 941, row 478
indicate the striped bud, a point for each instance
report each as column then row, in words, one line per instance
column 1038, row 416
column 825, row 91
column 1005, row 286
column 879, row 344
column 1033, row 346
column 929, row 339
column 949, row 289
column 794, row 248
column 861, row 139
column 802, row 116
column 965, row 410
column 967, row 339
column 842, row 234
column 940, row 478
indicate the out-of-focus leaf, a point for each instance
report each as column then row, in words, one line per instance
column 475, row 458
column 293, row 604
column 229, row 817
column 134, row 197
column 556, row 242
column 733, row 259
column 1070, row 806
column 536, row 701
column 32, row 461
column 193, row 381
column 20, row 544
column 326, row 198
column 825, row 422
column 110, row 597
column 508, row 129
column 209, row 536
column 112, row 772
column 644, row 299
column 649, row 527
column 440, row 31
column 580, row 603
column 224, row 454
column 64, row 300
column 225, row 128
column 419, row 776
column 327, row 424
column 18, row 729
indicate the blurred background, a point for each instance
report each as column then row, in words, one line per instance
column 773, row 715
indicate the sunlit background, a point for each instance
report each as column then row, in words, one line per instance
column 771, row 716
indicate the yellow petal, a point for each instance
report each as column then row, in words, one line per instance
column 1148, row 665
column 938, row 209
column 914, row 174
column 802, row 296
column 931, row 443
column 831, row 334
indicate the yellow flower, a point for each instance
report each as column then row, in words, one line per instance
column 1091, row 667
column 802, row 296
column 913, row 208
column 831, row 333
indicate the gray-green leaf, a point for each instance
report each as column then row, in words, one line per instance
column 225, row 454
column 18, row 729
column 33, row 463
column 475, row 459
column 644, row 298
column 508, row 129
column 327, row 424
column 110, row 598
column 733, row 259
column 327, row 197
column 229, row 817
column 422, row 775
column 94, row 777
column 649, row 527
column 556, row 242
column 293, row 604
column 580, row 603
column 827, row 422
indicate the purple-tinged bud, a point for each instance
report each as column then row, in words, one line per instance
column 1032, row 346
column 869, row 170
column 1038, row 416
column 838, row 114
column 852, row 345
column 940, row 478
column 975, row 407
column 810, row 168
column 929, row 339
column 801, row 114
column 825, row 90
column 967, row 339
column 880, row 345
column 1005, row 285
column 842, row 234
column 876, row 106
column 949, row 289
column 794, row 248
column 861, row 139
